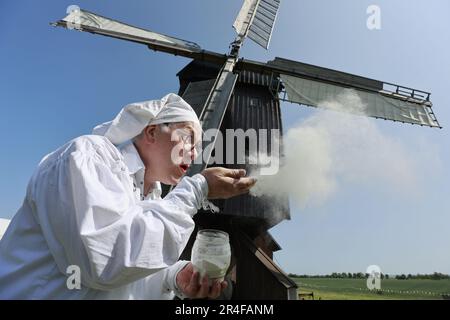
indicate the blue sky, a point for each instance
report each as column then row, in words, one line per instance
column 56, row 85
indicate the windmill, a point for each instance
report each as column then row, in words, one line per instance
column 231, row 92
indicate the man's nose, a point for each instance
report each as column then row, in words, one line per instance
column 193, row 153
column 189, row 153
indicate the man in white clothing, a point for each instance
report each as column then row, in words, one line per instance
column 93, row 224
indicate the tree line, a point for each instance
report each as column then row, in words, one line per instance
column 360, row 275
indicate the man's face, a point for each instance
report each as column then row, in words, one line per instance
column 174, row 148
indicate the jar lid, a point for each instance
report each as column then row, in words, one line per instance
column 213, row 235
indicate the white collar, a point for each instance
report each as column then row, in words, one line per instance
column 136, row 168
column 131, row 157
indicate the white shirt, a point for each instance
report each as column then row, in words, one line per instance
column 137, row 170
column 81, row 209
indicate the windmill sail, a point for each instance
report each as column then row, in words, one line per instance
column 256, row 20
column 245, row 17
column 90, row 22
column 378, row 105
column 214, row 110
column 320, row 87
column 197, row 93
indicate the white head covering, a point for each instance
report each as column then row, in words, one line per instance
column 133, row 118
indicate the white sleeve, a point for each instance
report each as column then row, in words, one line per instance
column 90, row 219
column 158, row 286
column 170, row 278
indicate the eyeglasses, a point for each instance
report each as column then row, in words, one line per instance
column 186, row 136
column 187, row 140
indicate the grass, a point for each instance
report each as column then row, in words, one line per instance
column 356, row 289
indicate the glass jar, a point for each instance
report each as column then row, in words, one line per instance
column 211, row 254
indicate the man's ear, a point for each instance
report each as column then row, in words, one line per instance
column 149, row 133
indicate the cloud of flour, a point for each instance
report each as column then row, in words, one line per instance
column 332, row 149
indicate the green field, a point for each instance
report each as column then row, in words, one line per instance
column 356, row 289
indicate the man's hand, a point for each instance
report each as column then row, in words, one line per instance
column 188, row 281
column 226, row 183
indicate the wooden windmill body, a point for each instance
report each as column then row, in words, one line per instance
column 232, row 93
column 247, row 219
